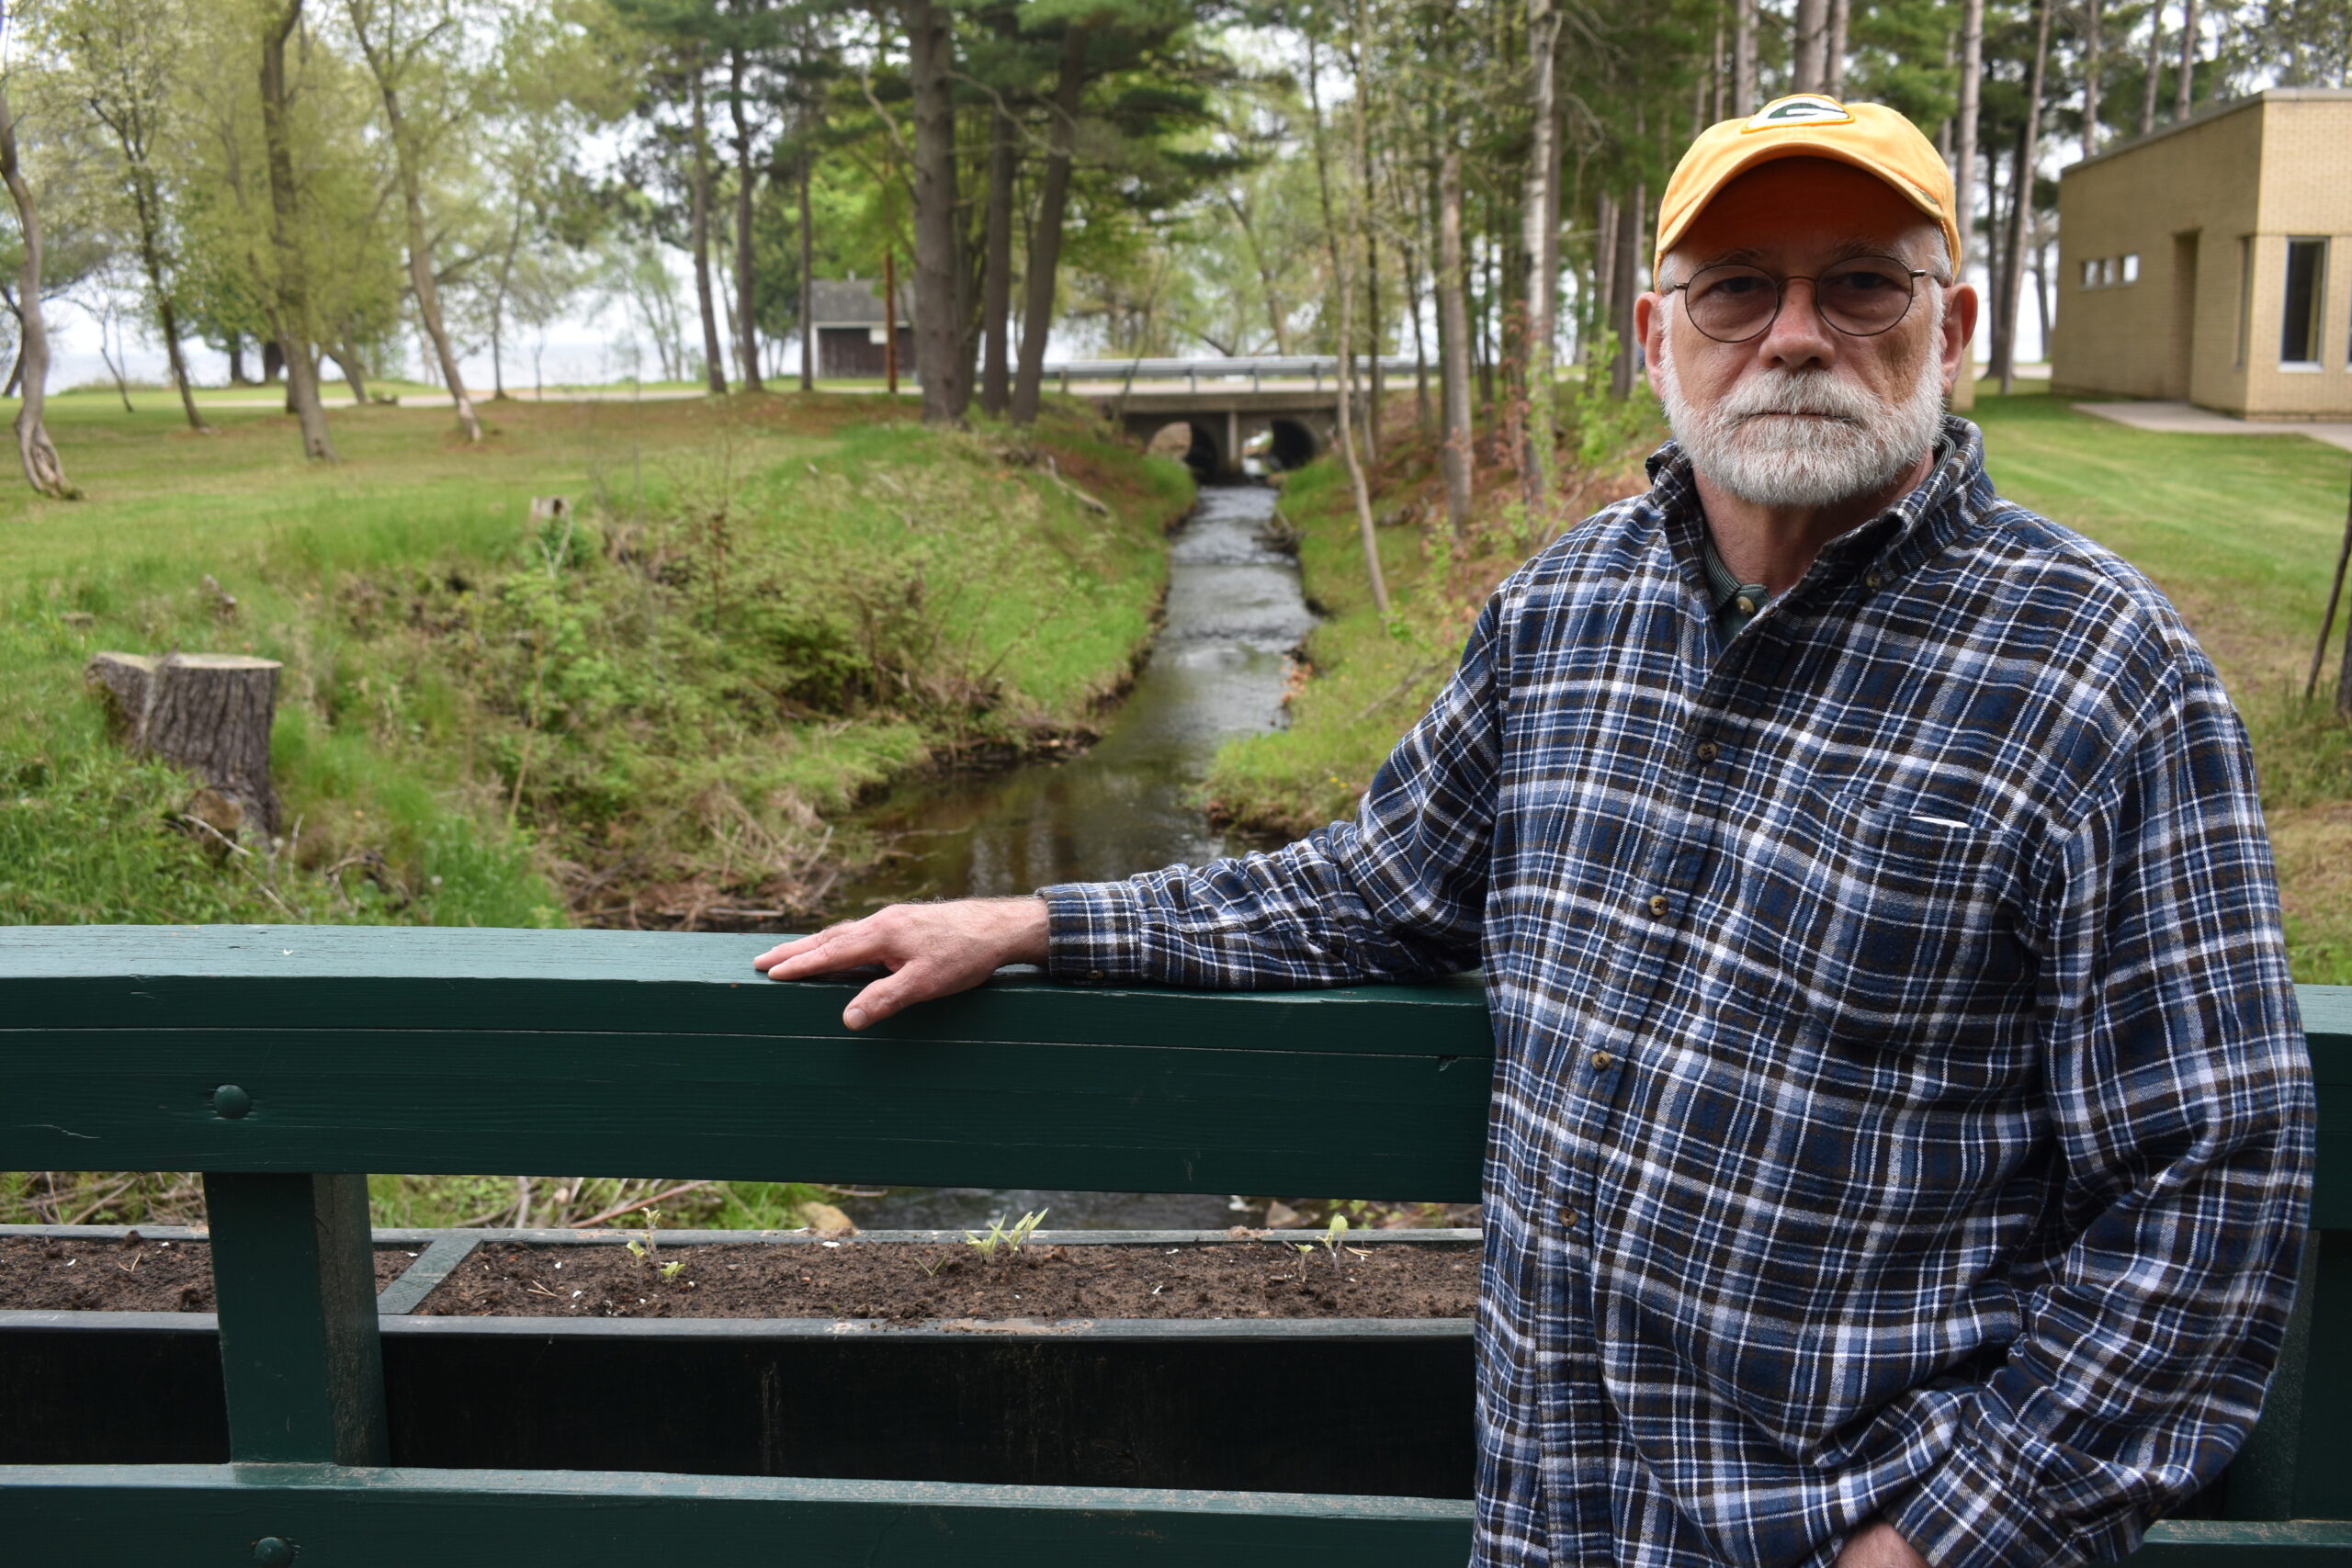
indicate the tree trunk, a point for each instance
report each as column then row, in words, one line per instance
column 996, row 297
column 145, row 205
column 382, row 54
column 747, row 326
column 1045, row 239
column 1972, row 93
column 1539, row 242
column 1454, row 342
column 930, row 46
column 2091, row 66
column 1833, row 52
column 44, row 471
column 289, row 293
column 2152, row 83
column 2022, row 197
column 2184, row 87
column 1810, row 46
column 1338, row 241
column 713, row 357
column 355, row 376
column 1624, row 274
column 808, row 283
column 1358, row 120
column 273, row 363
column 237, row 359
column 209, row 712
column 1743, row 57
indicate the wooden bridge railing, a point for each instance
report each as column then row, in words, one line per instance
column 284, row 1061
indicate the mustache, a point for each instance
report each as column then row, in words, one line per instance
column 1815, row 392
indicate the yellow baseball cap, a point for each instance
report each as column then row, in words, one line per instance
column 1872, row 137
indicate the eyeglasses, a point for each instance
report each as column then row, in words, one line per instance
column 1862, row 298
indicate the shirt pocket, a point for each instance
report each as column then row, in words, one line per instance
column 1885, row 916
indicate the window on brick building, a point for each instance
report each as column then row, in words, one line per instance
column 2299, row 326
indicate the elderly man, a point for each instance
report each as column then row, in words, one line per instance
column 1901, row 1128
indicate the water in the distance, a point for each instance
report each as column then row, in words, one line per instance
column 1130, row 803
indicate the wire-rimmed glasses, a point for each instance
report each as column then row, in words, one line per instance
column 1862, row 296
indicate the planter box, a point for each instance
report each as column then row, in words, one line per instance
column 1365, row 1406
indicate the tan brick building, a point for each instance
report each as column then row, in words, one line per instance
column 2213, row 262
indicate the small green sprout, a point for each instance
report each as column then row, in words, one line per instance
column 1306, row 1251
column 670, row 1271
column 643, row 1250
column 1331, row 1238
column 1011, row 1240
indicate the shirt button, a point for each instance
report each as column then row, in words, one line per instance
column 1094, row 974
column 1746, row 606
column 1659, row 906
column 1570, row 1218
column 1875, row 581
column 1707, row 751
column 1602, row 1061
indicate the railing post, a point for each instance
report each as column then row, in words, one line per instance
column 294, row 1274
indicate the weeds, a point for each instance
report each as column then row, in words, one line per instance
column 1011, row 1240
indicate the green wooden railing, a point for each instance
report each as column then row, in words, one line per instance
column 284, row 1061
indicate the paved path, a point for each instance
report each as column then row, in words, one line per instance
column 2186, row 419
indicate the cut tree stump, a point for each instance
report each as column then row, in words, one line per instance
column 209, row 712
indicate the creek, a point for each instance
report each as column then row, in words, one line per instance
column 1215, row 671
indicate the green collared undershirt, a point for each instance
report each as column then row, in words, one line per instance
column 1735, row 603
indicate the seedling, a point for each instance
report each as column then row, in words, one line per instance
column 1331, row 1239
column 1011, row 1240
column 670, row 1271
column 643, row 1250
column 1306, row 1251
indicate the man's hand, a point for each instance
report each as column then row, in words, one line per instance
column 930, row 950
column 1877, row 1545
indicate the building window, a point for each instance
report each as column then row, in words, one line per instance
column 2090, row 275
column 2132, row 267
column 2299, row 326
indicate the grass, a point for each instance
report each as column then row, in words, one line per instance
column 659, row 711
column 2241, row 531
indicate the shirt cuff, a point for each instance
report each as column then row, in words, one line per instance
column 1967, row 1514
column 1091, row 931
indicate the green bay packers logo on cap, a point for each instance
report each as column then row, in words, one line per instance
column 1801, row 108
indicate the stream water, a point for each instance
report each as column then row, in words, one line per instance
column 1129, row 803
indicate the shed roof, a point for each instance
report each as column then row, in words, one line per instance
column 853, row 302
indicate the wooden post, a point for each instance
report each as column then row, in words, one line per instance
column 890, row 321
column 293, row 1272
column 209, row 713
column 2327, row 621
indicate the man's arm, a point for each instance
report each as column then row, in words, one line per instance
column 2180, row 1101
column 1398, row 892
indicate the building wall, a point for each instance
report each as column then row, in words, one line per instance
column 2306, row 194
column 2195, row 205
column 848, row 354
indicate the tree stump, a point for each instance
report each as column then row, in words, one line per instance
column 209, row 712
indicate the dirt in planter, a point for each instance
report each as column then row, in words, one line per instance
column 133, row 1274
column 910, row 1280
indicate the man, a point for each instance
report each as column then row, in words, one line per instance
column 1902, row 1125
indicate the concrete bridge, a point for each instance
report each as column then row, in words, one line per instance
column 1226, row 404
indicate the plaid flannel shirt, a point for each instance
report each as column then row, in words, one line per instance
column 1900, row 1105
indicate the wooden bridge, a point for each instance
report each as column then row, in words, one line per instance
column 1227, row 403
column 284, row 1061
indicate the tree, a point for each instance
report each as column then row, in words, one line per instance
column 412, row 43
column 43, row 471
column 287, row 299
column 122, row 57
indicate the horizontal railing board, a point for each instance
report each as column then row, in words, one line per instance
column 364, row 979
column 899, row 1113
column 135, row 1517
column 1370, row 1330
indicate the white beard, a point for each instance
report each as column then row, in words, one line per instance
column 1748, row 443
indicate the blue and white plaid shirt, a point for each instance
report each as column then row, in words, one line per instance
column 1900, row 1104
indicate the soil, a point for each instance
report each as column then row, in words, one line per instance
column 132, row 1274
column 909, row 1281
